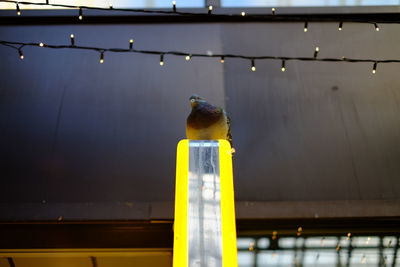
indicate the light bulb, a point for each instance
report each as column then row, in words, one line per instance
column 161, row 60
column 18, row 10
column 72, row 37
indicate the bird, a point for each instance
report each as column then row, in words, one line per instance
column 207, row 122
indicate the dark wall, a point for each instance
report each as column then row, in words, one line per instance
column 75, row 131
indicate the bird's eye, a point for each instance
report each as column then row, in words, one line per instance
column 192, row 100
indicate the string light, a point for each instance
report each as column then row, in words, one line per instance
column 274, row 235
column 283, row 18
column 80, row 14
column 72, row 37
column 348, row 236
column 210, row 8
column 253, row 66
column 243, row 13
column 174, row 6
column 162, row 60
column 18, row 10
column 111, row 6
column 221, row 57
column 340, row 25
column 316, row 52
column 188, row 57
column 376, row 27
column 374, row 68
column 21, row 55
column 299, row 231
column 306, row 26
column 251, row 246
column 101, row 57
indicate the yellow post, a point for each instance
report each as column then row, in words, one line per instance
column 204, row 228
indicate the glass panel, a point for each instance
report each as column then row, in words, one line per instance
column 114, row 3
column 303, row 3
column 365, row 241
column 273, row 258
column 205, row 236
column 245, row 258
column 263, row 243
column 321, row 242
column 245, row 243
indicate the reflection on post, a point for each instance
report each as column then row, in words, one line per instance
column 205, row 233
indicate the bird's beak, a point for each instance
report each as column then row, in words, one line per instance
column 193, row 103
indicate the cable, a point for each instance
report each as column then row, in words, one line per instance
column 240, row 16
column 188, row 56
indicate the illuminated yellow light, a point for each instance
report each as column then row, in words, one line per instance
column 19, row 13
column 80, row 17
column 229, row 249
column 251, row 246
column 283, row 69
column 243, row 13
column 101, row 61
column 21, row 56
column 210, row 8
column 174, row 2
column 41, row 44
column 187, row 57
column 72, row 36
column 317, row 49
column 373, row 71
column 161, row 63
column 131, row 41
column 253, row 68
column 227, row 209
column 305, row 29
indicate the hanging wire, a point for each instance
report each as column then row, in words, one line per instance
column 18, row 46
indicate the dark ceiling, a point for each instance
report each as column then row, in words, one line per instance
column 74, row 131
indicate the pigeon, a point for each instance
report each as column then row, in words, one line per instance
column 207, row 122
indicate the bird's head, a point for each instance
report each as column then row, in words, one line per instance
column 196, row 100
